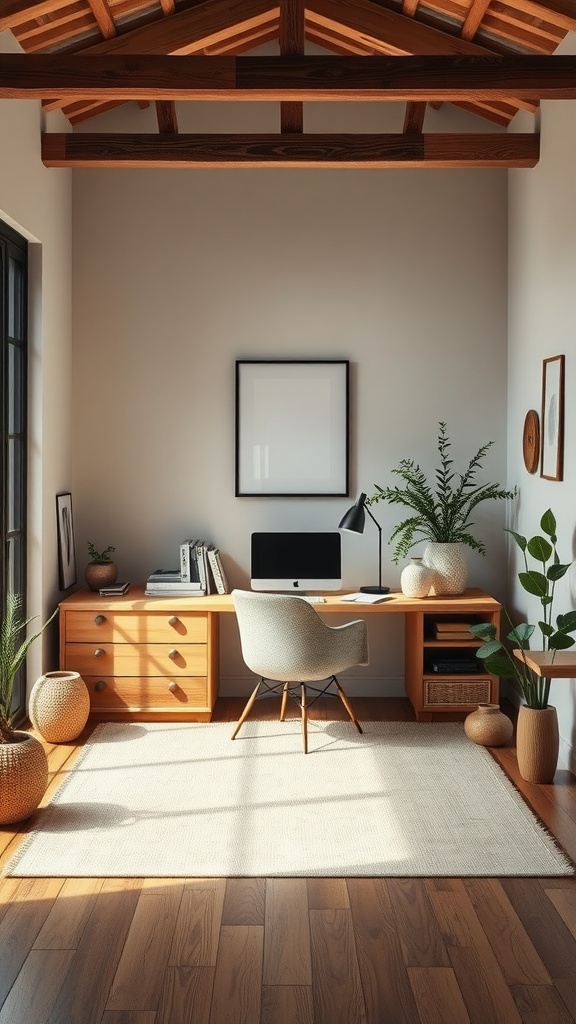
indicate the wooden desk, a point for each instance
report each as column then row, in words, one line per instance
column 150, row 658
column 562, row 667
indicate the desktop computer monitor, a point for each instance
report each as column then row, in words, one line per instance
column 296, row 561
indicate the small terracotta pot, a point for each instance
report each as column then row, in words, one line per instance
column 537, row 743
column 488, row 726
column 100, row 574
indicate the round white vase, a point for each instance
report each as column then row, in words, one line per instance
column 416, row 579
column 449, row 567
column 59, row 706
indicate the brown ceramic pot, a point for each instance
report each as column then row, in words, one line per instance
column 537, row 743
column 488, row 726
column 100, row 574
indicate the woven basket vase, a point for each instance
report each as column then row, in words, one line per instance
column 59, row 706
column 23, row 778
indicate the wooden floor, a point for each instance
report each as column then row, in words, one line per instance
column 293, row 951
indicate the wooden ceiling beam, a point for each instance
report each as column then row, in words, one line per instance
column 474, row 17
column 291, row 39
column 167, row 119
column 103, row 15
column 357, row 151
column 18, row 12
column 294, row 78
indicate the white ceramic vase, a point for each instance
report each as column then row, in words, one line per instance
column 416, row 579
column 449, row 567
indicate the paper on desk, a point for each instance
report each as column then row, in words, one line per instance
column 366, row 598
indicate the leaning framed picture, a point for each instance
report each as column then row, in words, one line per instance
column 292, row 427
column 66, row 547
column 552, row 419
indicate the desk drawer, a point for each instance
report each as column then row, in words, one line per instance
column 163, row 627
column 137, row 660
column 148, row 693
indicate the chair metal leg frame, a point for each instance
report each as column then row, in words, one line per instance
column 305, row 705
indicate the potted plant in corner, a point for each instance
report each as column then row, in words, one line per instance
column 441, row 515
column 101, row 571
column 537, row 740
column 23, row 763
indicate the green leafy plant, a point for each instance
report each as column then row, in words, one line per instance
column 540, row 582
column 100, row 557
column 441, row 514
column 14, row 645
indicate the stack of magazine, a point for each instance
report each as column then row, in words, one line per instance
column 200, row 572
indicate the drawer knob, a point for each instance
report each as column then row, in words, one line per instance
column 100, row 619
column 172, row 686
column 99, row 652
column 173, row 620
column 100, row 685
column 173, row 653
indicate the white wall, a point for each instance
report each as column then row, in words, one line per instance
column 542, row 323
column 179, row 273
column 37, row 203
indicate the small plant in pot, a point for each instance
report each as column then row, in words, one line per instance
column 101, row 571
column 441, row 513
column 23, row 763
column 537, row 738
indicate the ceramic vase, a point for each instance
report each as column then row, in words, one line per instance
column 59, row 706
column 488, row 726
column 416, row 579
column 449, row 567
column 537, row 743
column 23, row 777
column 100, row 574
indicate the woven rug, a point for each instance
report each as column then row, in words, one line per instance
column 182, row 799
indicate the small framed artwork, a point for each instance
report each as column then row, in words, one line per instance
column 292, row 427
column 552, row 419
column 66, row 547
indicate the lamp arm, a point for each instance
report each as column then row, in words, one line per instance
column 379, row 528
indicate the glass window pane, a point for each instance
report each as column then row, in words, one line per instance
column 15, row 403
column 15, row 301
column 15, row 484
column 15, row 565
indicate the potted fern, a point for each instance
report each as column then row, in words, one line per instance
column 441, row 513
column 101, row 571
column 537, row 739
column 23, row 763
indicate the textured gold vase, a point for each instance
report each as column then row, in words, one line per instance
column 59, row 706
column 23, row 777
column 537, row 743
column 488, row 726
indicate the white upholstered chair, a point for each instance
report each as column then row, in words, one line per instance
column 284, row 640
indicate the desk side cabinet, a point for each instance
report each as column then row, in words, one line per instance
column 443, row 678
column 142, row 660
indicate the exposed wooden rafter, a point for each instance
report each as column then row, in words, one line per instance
column 291, row 41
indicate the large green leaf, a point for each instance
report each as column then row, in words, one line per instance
column 499, row 667
column 487, row 650
column 540, row 549
column 560, row 642
column 557, row 571
column 548, row 524
column 483, row 629
column 520, row 540
column 566, row 623
column 521, row 633
column 534, row 582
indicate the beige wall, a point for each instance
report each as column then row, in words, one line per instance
column 542, row 318
column 179, row 273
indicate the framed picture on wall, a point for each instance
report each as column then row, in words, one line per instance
column 66, row 547
column 552, row 419
column 292, row 427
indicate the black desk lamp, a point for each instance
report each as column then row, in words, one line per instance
column 353, row 521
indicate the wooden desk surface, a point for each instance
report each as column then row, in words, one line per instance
column 550, row 664
column 396, row 603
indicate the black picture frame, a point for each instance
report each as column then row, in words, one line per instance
column 552, row 419
column 66, row 545
column 292, row 427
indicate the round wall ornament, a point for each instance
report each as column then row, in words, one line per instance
column 531, row 441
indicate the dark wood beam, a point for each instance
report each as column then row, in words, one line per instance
column 414, row 117
column 167, row 119
column 291, row 40
column 296, row 78
column 436, row 150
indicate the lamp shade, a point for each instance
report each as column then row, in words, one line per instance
column 354, row 519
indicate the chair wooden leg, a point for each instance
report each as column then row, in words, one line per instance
column 304, row 720
column 346, row 704
column 284, row 701
column 247, row 707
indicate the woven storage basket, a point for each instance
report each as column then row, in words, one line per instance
column 23, row 778
column 457, row 691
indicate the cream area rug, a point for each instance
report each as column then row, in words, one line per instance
column 183, row 799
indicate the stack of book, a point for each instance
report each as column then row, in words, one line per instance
column 444, row 630
column 169, row 583
column 114, row 590
column 201, row 563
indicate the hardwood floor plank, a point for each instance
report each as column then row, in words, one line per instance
column 186, row 996
column 237, row 993
column 564, row 901
column 481, row 982
column 540, row 1004
column 286, row 1004
column 138, row 978
column 36, row 988
column 129, row 1017
column 387, row 991
column 287, row 959
column 244, row 901
column 83, row 997
column 32, row 901
column 67, row 919
column 336, row 985
column 197, row 930
column 437, row 995
column 327, row 894
column 519, row 961
column 422, row 943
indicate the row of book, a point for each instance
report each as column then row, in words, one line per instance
column 457, row 630
column 200, row 572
